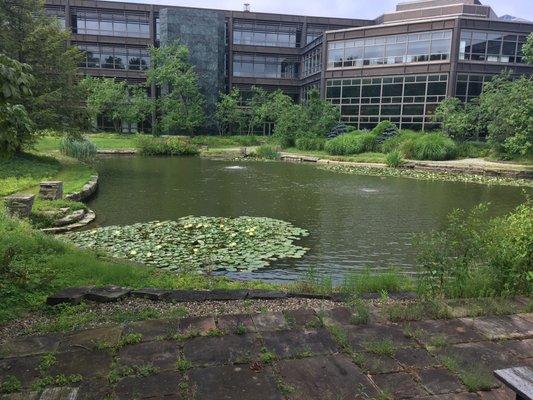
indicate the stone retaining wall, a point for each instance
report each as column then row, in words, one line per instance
column 86, row 191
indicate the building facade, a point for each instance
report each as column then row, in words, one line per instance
column 397, row 67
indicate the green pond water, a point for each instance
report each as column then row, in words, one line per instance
column 354, row 221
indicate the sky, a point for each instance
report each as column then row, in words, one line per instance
column 363, row 9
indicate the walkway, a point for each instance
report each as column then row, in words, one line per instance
column 297, row 354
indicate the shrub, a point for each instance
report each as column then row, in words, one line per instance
column 429, row 146
column 351, row 143
column 165, row 146
column 394, row 142
column 475, row 256
column 384, row 130
column 310, row 143
column 337, row 130
column 473, row 149
column 394, row 159
column 267, row 152
column 78, row 147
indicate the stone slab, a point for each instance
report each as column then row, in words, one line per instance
column 160, row 354
column 300, row 318
column 19, row 205
column 181, row 296
column 229, row 349
column 72, row 295
column 107, row 294
column 520, row 348
column 94, row 389
column 231, row 323
column 503, row 327
column 168, row 385
column 378, row 363
column 338, row 315
column 269, row 321
column 298, row 344
column 153, row 329
column 234, row 382
column 452, row 331
column 360, row 336
column 20, row 396
column 265, row 295
column 503, row 393
column 400, row 384
column 415, row 358
column 28, row 345
column 334, row 377
column 150, row 293
column 91, row 338
column 303, row 295
column 197, row 325
column 60, row 393
column 25, row 369
column 225, row 295
column 440, row 381
column 88, row 364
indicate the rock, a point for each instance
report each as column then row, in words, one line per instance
column 19, row 205
column 51, row 190
column 75, row 216
column 70, row 295
column 185, row 295
column 107, row 294
column 265, row 294
column 150, row 293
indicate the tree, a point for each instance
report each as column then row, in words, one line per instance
column 322, row 116
column 459, row 120
column 229, row 114
column 291, row 125
column 15, row 125
column 507, row 106
column 527, row 49
column 181, row 105
column 121, row 102
column 32, row 38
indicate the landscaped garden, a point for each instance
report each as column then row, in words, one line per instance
column 282, row 245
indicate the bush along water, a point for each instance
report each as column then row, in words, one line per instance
column 384, row 130
column 351, row 143
column 394, row 159
column 310, row 143
column 78, row 147
column 165, row 146
column 267, row 152
column 429, row 146
column 478, row 256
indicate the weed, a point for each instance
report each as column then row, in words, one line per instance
column 240, row 329
column 47, row 361
column 289, row 319
column 10, row 384
column 438, row 341
column 266, row 356
column 368, row 281
column 341, row 337
column 417, row 311
column 215, row 332
column 361, row 314
column 411, row 333
column 285, row 388
column 474, row 377
column 383, row 347
column 128, row 339
column 182, row 364
column 57, row 380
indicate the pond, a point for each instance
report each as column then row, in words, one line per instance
column 354, row 221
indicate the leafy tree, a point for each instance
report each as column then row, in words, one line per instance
column 461, row 121
column 32, row 38
column 15, row 124
column 119, row 101
column 181, row 105
column 228, row 112
column 322, row 116
column 291, row 125
column 507, row 106
column 527, row 49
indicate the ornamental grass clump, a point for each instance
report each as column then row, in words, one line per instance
column 394, row 159
column 78, row 147
column 310, row 143
column 267, row 152
column 165, row 146
column 351, row 143
column 429, row 146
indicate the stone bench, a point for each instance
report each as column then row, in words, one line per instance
column 519, row 380
column 51, row 190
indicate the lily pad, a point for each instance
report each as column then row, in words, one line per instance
column 198, row 243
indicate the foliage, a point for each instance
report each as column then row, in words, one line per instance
column 121, row 102
column 394, row 159
column 384, row 130
column 351, row 143
column 337, row 129
column 198, row 243
column 267, row 152
column 165, row 146
column 507, row 106
column 461, row 121
column 368, row 281
column 310, row 143
column 472, row 149
column 49, row 141
column 45, row 212
column 429, row 146
column 322, row 116
column 290, row 125
column 228, row 141
column 78, row 147
column 15, row 124
column 527, row 49
column 394, row 142
column 475, row 256
column 228, row 114
column 34, row 266
column 181, row 104
column 32, row 38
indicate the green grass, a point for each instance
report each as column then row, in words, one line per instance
column 417, row 311
column 368, row 281
column 103, row 141
column 24, row 172
column 381, row 347
column 474, row 377
column 366, row 157
column 230, row 140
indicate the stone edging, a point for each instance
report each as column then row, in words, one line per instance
column 87, row 217
column 414, row 165
column 117, row 151
column 106, row 294
column 86, row 191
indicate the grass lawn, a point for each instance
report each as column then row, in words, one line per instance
column 24, row 172
column 362, row 158
column 107, row 141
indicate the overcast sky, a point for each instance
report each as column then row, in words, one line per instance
column 364, row 9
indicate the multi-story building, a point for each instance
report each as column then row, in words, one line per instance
column 396, row 67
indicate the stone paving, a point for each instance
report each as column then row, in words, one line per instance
column 299, row 354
